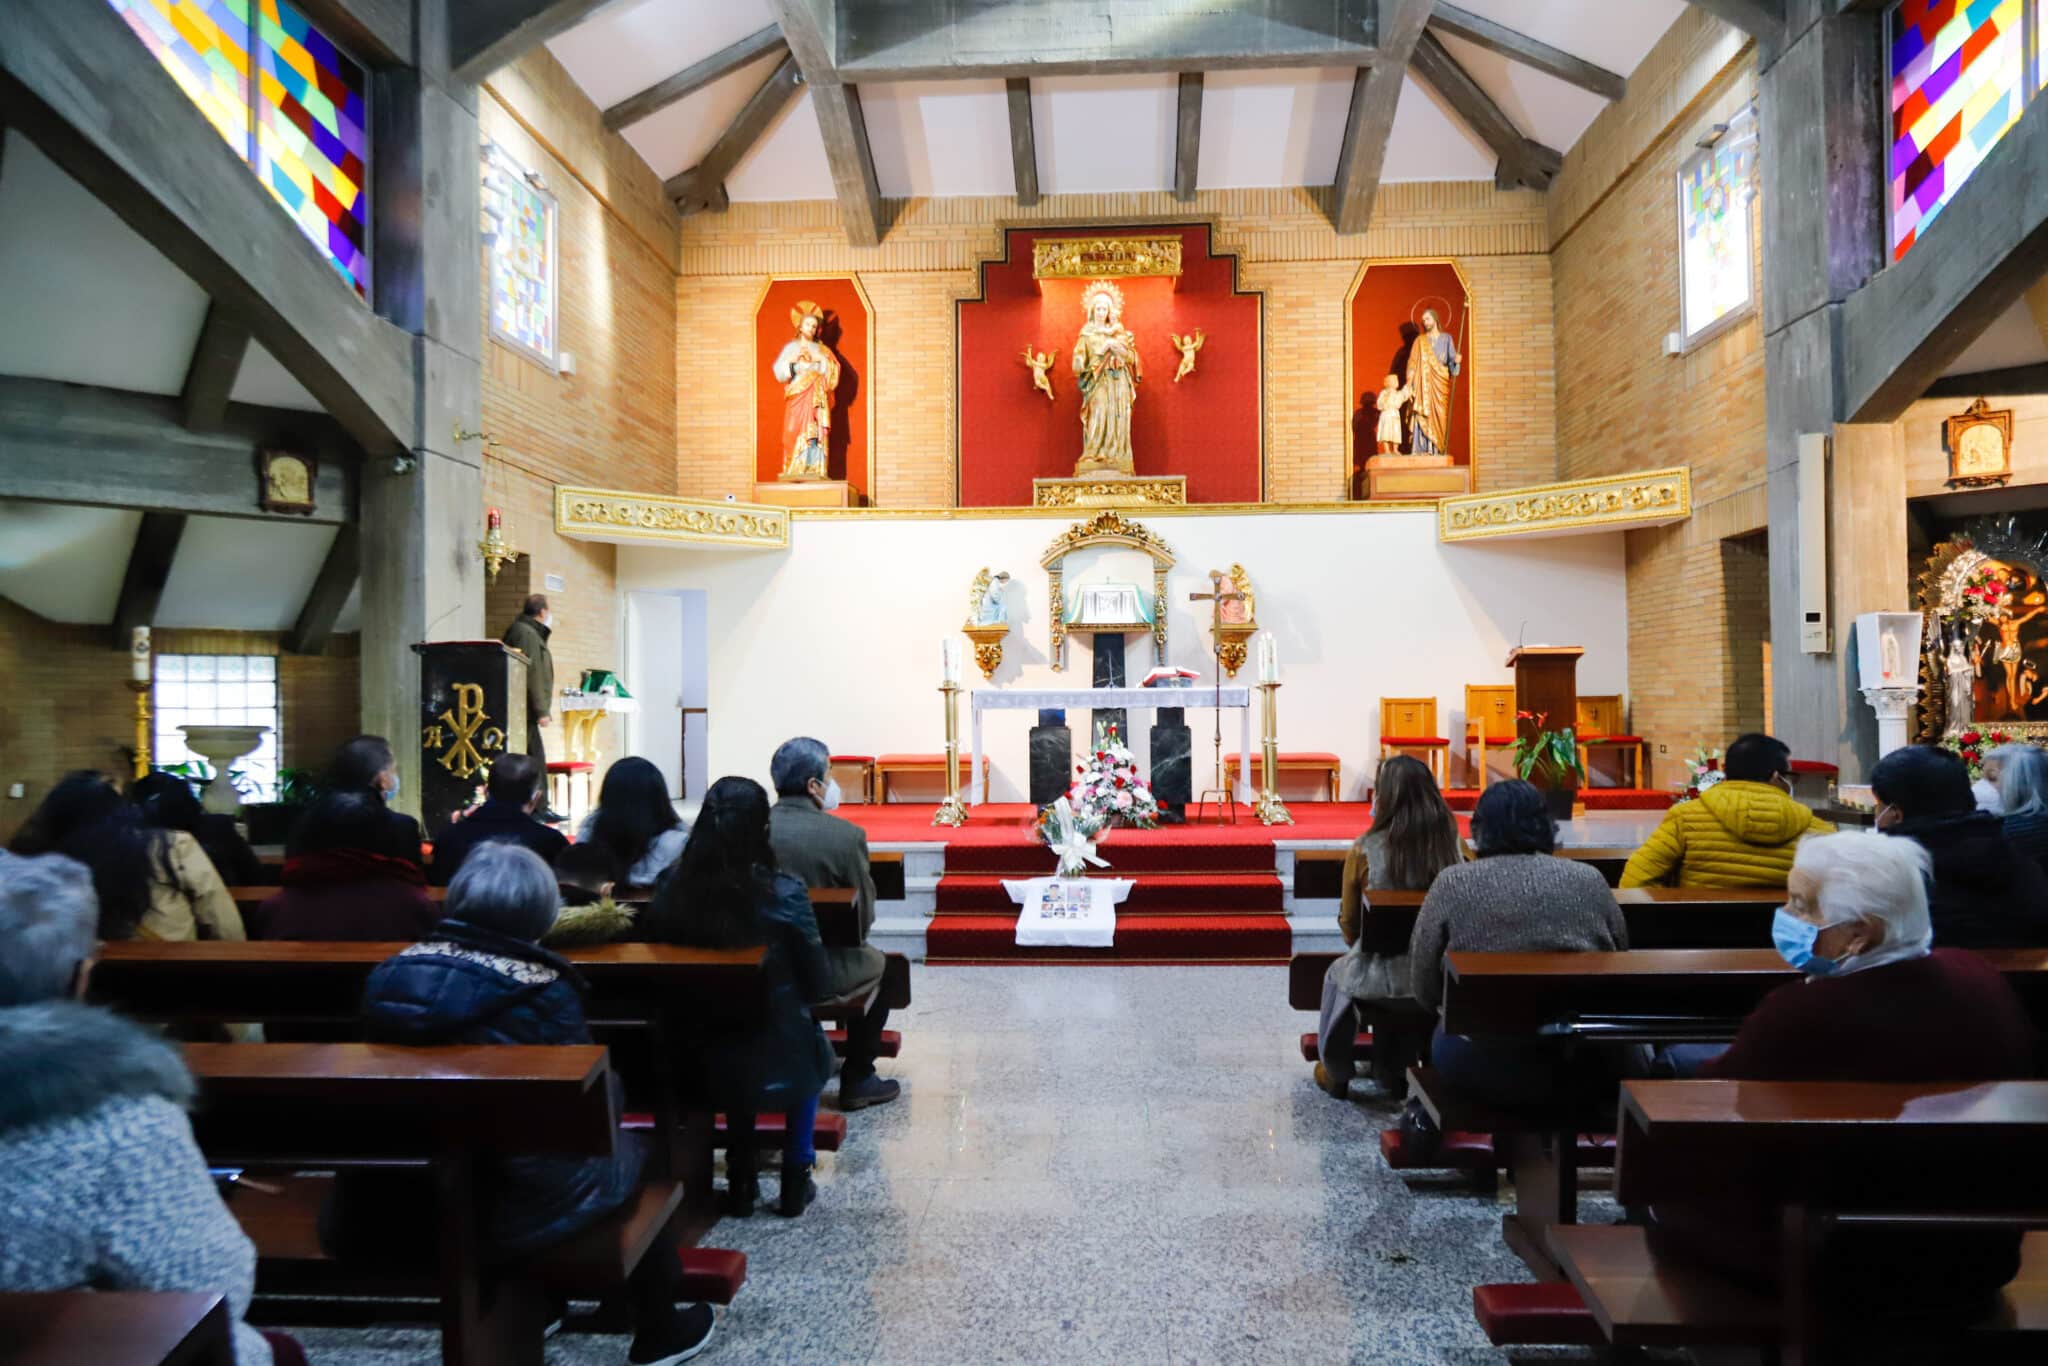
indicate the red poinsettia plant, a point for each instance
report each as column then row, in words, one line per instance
column 1972, row 745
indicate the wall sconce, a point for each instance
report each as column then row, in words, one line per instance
column 496, row 551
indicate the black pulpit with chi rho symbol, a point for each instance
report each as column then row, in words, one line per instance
column 472, row 709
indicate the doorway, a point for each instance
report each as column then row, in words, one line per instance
column 666, row 631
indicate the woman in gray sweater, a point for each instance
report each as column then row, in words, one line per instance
column 1517, row 898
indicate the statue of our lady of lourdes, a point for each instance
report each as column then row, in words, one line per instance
column 1961, row 674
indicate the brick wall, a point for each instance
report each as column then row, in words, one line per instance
column 1285, row 246
column 1697, row 601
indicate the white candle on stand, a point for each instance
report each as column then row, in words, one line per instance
column 1269, row 659
column 138, row 655
column 949, row 660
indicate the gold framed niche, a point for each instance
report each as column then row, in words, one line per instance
column 866, row 400
column 1351, row 381
column 1104, row 528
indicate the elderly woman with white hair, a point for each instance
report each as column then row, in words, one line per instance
column 2023, row 794
column 101, row 1183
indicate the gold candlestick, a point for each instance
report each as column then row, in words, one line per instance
column 952, row 811
column 1268, row 807
column 142, row 727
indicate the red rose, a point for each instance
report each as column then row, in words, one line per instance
column 1970, row 737
column 1119, row 781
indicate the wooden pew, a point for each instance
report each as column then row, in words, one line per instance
column 329, row 1106
column 115, row 1328
column 1319, row 873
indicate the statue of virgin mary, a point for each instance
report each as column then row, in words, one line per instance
column 1107, row 371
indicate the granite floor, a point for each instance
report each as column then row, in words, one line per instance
column 1095, row 1164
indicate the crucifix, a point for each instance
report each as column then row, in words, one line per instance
column 1216, row 597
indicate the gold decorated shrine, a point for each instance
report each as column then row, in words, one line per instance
column 1142, row 490
column 1090, row 258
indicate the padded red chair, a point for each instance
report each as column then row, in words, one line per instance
column 1409, row 724
column 1600, row 727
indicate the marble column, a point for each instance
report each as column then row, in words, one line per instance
column 1172, row 776
column 1052, row 757
column 1108, row 653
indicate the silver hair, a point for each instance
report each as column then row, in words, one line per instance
column 507, row 888
column 796, row 762
column 1859, row 875
column 48, row 923
column 2022, row 779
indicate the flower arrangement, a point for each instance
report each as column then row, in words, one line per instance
column 1548, row 754
column 1070, row 837
column 1704, row 769
column 1973, row 744
column 1110, row 791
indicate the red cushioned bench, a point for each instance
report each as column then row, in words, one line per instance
column 713, row 1275
column 1545, row 1314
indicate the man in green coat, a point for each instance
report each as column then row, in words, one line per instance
column 828, row 851
column 529, row 635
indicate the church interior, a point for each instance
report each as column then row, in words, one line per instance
column 1142, row 680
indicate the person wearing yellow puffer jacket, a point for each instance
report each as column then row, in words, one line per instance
column 1741, row 832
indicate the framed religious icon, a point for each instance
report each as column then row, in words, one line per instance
column 285, row 481
column 1979, row 445
column 1983, row 600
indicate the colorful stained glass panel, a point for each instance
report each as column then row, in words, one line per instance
column 312, row 138
column 1715, row 189
column 1956, row 68
column 519, row 238
column 204, row 44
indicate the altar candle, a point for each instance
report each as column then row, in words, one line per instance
column 949, row 660
column 138, row 655
column 1269, row 659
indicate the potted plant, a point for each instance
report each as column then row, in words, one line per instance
column 271, row 822
column 1550, row 759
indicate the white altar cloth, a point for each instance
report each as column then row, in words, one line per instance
column 1197, row 698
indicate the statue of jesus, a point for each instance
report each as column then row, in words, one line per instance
column 1432, row 360
column 1107, row 370
column 809, row 374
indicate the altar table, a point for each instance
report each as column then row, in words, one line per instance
column 1197, row 698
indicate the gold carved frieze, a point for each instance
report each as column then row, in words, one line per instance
column 1618, row 503
column 608, row 515
column 1092, row 258
column 1170, row 490
column 1107, row 528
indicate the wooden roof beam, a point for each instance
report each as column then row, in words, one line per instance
column 1375, row 94
column 695, row 77
column 328, row 595
column 813, row 35
column 1023, row 140
column 149, row 569
column 1524, row 162
column 703, row 185
column 216, row 364
column 1519, row 47
column 484, row 35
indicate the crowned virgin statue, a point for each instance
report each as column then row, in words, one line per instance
column 809, row 375
column 1107, row 371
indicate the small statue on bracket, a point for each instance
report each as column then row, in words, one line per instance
column 985, row 605
column 1187, row 346
column 1038, row 361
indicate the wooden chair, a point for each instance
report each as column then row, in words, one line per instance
column 1409, row 723
column 1489, row 721
column 856, row 775
column 1600, row 726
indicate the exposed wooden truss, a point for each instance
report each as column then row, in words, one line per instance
column 1523, row 162
column 695, row 77
column 1519, row 47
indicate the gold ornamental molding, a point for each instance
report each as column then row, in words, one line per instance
column 1169, row 490
column 1095, row 258
column 609, row 515
column 1622, row 502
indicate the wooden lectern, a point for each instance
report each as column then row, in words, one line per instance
column 1546, row 684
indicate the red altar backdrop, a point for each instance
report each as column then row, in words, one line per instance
column 1209, row 427
column 1385, row 313
column 849, row 331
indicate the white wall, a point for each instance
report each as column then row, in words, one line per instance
column 838, row 636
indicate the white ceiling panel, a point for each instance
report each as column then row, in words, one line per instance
column 626, row 47
column 1429, row 143
column 940, row 138
column 1263, row 128
column 2012, row 339
column 677, row 138
column 263, row 380
column 1101, row 134
column 787, row 163
column 1552, row 111
column 65, row 563
column 239, row 574
column 87, row 300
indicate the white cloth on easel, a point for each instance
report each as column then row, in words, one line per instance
column 1077, row 912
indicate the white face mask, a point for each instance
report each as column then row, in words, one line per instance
column 830, row 801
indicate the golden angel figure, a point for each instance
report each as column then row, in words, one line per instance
column 809, row 374
column 1107, row 369
column 1432, row 361
column 1038, row 361
column 1187, row 346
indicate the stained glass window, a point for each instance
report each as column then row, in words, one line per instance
column 1957, row 68
column 1715, row 189
column 291, row 104
column 519, row 237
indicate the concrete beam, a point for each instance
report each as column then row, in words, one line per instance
column 695, row 77
column 1524, row 162
column 1519, row 47
column 1914, row 318
column 1757, row 18
column 1023, row 140
column 1375, row 94
column 328, row 595
column 2017, row 379
column 71, row 443
column 216, row 362
column 814, row 36
column 1187, row 141
column 703, row 185
column 149, row 569
column 896, row 40
column 74, row 79
column 484, row 35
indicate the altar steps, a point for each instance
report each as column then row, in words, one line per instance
column 1183, row 850
column 1178, row 894
column 1140, row 939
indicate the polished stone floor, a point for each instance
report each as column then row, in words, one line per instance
column 1096, row 1164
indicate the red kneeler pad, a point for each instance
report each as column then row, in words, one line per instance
column 1548, row 1314
column 713, row 1275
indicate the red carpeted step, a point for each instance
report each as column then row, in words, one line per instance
column 827, row 1136
column 891, row 1043
column 1139, row 939
column 1309, row 1051
column 1625, row 799
column 1204, row 849
column 1547, row 1314
column 1153, row 894
column 712, row 1275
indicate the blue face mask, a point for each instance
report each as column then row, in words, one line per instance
column 1795, row 939
column 392, row 795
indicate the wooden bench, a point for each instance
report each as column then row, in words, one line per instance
column 291, row 1107
column 892, row 766
column 1319, row 873
column 115, row 1328
column 1324, row 768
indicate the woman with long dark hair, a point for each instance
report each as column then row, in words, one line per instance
column 167, row 803
column 152, row 884
column 726, row 892
column 1413, row 837
column 635, row 822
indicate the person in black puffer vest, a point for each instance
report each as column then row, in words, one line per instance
column 482, row 979
column 1984, row 894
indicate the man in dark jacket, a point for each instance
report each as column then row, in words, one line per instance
column 828, row 851
column 511, row 799
column 1984, row 894
column 529, row 635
